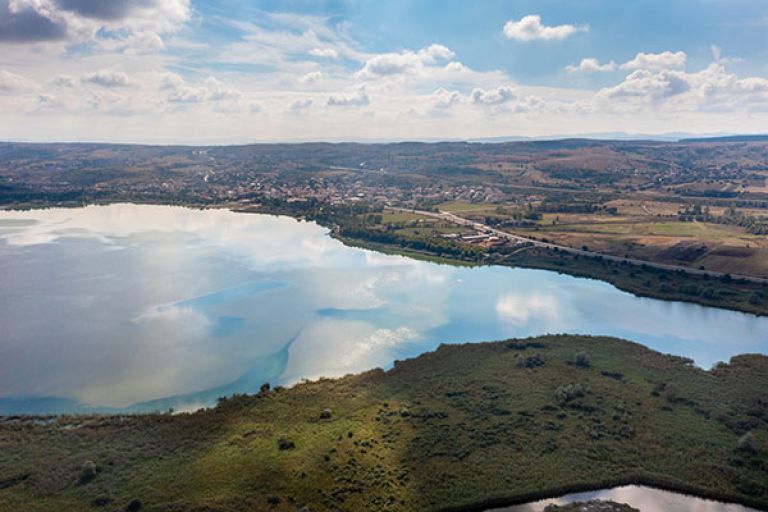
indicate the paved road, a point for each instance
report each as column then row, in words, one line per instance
column 451, row 217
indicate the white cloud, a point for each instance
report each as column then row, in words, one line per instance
column 128, row 23
column 650, row 85
column 591, row 65
column 12, row 82
column 711, row 88
column 356, row 99
column 63, row 81
column 219, row 91
column 663, row 60
column 107, row 78
column 388, row 64
column 300, row 105
column 311, row 77
column 445, row 99
column 327, row 53
column 284, row 41
column 717, row 56
column 497, row 96
column 436, row 51
column 529, row 28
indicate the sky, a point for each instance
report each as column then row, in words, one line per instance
column 226, row 71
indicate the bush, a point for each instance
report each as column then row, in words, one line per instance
column 582, row 359
column 529, row 362
column 747, row 443
column 569, row 392
column 88, row 472
column 283, row 443
column 134, row 505
column 325, row 414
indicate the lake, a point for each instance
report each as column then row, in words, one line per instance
column 129, row 307
column 645, row 499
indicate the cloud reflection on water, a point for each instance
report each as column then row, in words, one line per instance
column 118, row 304
column 645, row 499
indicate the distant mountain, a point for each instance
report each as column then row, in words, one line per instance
column 729, row 138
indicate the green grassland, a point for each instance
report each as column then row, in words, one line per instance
column 461, row 427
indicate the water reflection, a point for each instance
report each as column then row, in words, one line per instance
column 111, row 306
column 644, row 499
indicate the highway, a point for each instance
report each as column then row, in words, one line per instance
column 484, row 228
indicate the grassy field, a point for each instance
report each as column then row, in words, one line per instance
column 466, row 425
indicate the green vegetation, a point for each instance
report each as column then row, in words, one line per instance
column 466, row 425
column 647, row 281
column 424, row 238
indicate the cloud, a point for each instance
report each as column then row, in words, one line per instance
column 388, row 64
column 591, row 65
column 300, row 105
column 327, row 53
column 529, row 28
column 647, row 84
column 63, row 81
column 22, row 23
column 711, row 88
column 717, row 56
column 10, row 82
column 104, row 10
column 663, row 60
column 285, row 40
column 497, row 96
column 107, row 78
column 219, row 91
column 445, row 99
column 112, row 22
column 357, row 99
column 311, row 77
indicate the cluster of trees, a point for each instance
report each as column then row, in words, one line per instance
column 752, row 223
column 575, row 207
column 431, row 245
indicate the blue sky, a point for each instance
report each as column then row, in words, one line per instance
column 230, row 71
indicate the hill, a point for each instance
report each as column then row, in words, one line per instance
column 459, row 428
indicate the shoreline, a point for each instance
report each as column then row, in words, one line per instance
column 491, row 504
column 617, row 277
column 379, row 385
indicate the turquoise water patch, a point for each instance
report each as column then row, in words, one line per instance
column 213, row 300
column 226, row 326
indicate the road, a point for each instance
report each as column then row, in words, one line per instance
column 484, row 228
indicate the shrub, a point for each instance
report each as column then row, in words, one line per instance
column 529, row 362
column 747, row 443
column 569, row 392
column 88, row 472
column 325, row 414
column 134, row 505
column 582, row 359
column 264, row 388
column 283, row 443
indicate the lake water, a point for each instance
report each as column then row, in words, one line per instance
column 145, row 307
column 645, row 499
